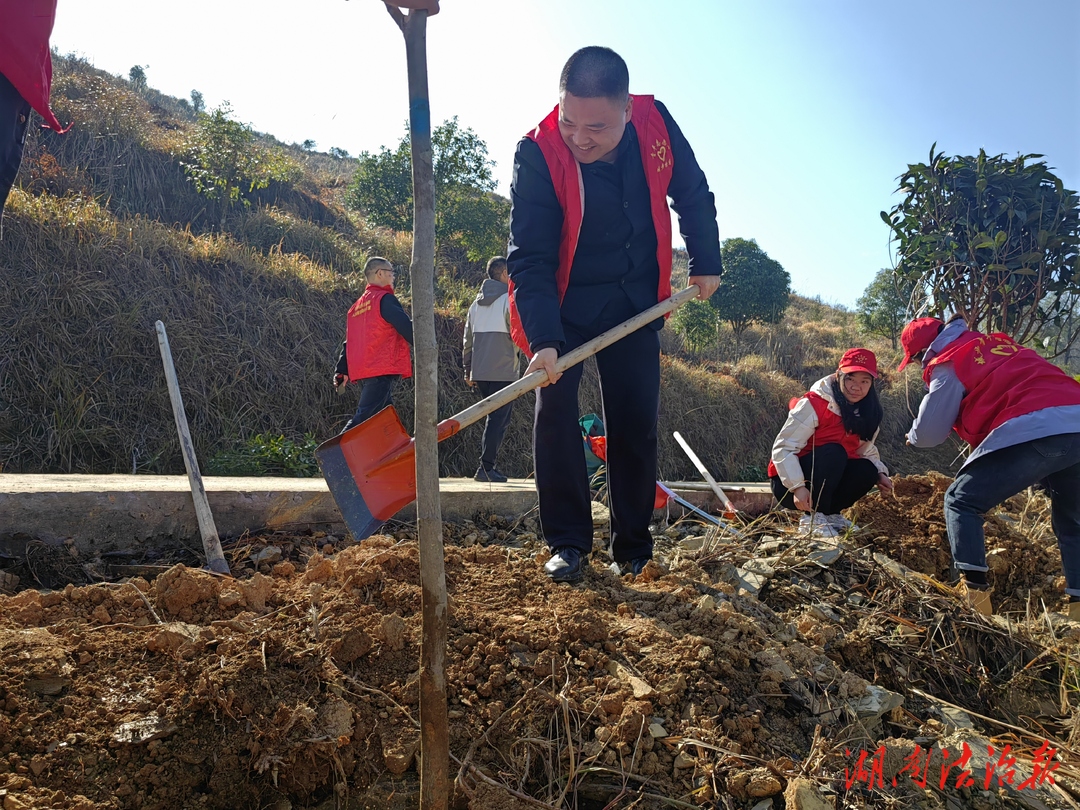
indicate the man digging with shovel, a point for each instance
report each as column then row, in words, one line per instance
column 590, row 246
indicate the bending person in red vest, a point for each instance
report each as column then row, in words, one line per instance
column 824, row 458
column 590, row 246
column 1021, row 416
column 378, row 335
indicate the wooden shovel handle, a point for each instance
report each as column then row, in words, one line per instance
column 474, row 413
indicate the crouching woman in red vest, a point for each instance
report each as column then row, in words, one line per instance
column 378, row 335
column 824, row 458
column 1021, row 416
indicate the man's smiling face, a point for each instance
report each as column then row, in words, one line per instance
column 592, row 127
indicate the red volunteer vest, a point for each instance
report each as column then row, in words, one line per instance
column 372, row 346
column 565, row 171
column 24, row 51
column 1022, row 382
column 830, row 430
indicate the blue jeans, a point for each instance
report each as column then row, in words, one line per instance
column 991, row 479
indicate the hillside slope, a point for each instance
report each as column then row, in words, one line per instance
column 107, row 235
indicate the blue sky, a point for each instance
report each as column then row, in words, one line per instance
column 802, row 113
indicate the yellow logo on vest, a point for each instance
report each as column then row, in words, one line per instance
column 361, row 307
column 662, row 153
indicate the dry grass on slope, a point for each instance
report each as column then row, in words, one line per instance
column 255, row 336
column 82, row 383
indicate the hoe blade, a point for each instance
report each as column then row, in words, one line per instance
column 371, row 471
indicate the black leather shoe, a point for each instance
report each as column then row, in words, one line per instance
column 565, row 565
column 638, row 565
column 492, row 476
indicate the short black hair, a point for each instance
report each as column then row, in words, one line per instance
column 595, row 72
column 495, row 266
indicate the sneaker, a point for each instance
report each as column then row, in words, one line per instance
column 817, row 525
column 842, row 523
column 492, row 476
column 565, row 565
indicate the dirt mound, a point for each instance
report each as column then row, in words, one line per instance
column 1025, row 564
column 730, row 671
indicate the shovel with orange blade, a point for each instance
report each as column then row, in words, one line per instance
column 371, row 468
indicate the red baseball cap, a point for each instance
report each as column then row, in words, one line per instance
column 917, row 337
column 859, row 360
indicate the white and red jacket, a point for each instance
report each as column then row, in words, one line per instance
column 814, row 420
column 993, row 392
column 1003, row 380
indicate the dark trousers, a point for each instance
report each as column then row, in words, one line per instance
column 997, row 476
column 630, row 391
column 495, row 424
column 376, row 395
column 14, row 118
column 836, row 481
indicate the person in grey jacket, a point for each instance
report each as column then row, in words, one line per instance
column 1020, row 414
column 490, row 359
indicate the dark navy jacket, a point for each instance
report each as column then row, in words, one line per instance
column 616, row 251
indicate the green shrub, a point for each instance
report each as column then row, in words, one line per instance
column 696, row 323
column 264, row 454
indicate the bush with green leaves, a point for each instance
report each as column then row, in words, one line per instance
column 225, row 160
column 883, row 307
column 697, row 322
column 994, row 239
column 468, row 213
column 264, row 454
column 137, row 77
column 753, row 288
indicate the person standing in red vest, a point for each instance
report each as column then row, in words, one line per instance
column 1021, row 416
column 25, row 79
column 824, row 458
column 590, row 246
column 378, row 335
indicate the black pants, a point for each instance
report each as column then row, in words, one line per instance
column 836, row 481
column 376, row 395
column 495, row 424
column 14, row 118
column 630, row 390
